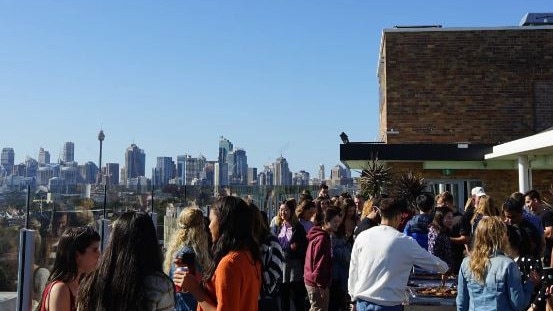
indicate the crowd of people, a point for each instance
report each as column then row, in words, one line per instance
column 318, row 253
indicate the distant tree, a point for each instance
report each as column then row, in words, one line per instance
column 4, row 281
column 175, row 190
column 14, row 199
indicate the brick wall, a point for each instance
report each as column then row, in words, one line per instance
column 478, row 86
column 498, row 183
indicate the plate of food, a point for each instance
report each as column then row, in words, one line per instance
column 437, row 291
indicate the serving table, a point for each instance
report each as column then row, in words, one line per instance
column 421, row 302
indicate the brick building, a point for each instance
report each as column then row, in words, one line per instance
column 449, row 95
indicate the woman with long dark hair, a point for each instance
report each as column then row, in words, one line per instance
column 233, row 280
column 439, row 243
column 76, row 255
column 130, row 274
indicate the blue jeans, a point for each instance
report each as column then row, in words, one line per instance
column 363, row 305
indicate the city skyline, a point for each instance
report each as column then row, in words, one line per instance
column 74, row 156
column 278, row 78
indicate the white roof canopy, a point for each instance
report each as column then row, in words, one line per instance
column 536, row 146
column 532, row 152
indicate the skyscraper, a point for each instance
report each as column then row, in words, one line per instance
column 165, row 171
column 44, row 174
column 88, row 172
column 252, row 176
column 321, row 172
column 43, row 157
column 69, row 175
column 301, row 178
column 189, row 168
column 221, row 179
column 266, row 178
column 111, row 173
column 282, row 174
column 135, row 162
column 225, row 147
column 7, row 159
column 68, row 152
column 31, row 167
column 240, row 169
column 340, row 175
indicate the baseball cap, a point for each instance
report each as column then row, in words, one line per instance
column 478, row 191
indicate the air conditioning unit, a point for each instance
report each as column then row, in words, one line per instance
column 537, row 19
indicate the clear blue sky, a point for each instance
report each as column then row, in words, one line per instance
column 273, row 76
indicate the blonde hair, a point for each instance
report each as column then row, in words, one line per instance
column 368, row 208
column 191, row 232
column 490, row 237
column 486, row 207
column 468, row 203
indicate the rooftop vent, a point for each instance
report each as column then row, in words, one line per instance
column 418, row 26
column 537, row 19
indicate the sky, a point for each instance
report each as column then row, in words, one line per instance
column 275, row 77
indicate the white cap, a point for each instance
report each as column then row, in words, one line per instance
column 478, row 191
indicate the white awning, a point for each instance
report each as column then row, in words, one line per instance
column 538, row 145
column 532, row 152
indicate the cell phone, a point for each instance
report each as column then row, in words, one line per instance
column 187, row 259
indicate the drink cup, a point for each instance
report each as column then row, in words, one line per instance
column 185, row 269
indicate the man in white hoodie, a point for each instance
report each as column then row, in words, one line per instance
column 382, row 259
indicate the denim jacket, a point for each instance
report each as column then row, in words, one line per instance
column 503, row 289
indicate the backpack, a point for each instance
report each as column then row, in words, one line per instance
column 272, row 258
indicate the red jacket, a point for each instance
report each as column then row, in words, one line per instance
column 317, row 270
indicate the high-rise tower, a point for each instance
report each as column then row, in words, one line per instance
column 321, row 172
column 43, row 157
column 7, row 159
column 135, row 162
column 68, row 152
column 282, row 174
column 240, row 167
column 165, row 171
column 225, row 147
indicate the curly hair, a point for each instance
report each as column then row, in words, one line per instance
column 490, row 237
column 191, row 232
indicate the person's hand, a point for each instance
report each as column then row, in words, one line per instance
column 293, row 246
column 185, row 281
column 549, row 291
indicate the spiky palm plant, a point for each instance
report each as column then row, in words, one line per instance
column 409, row 186
column 375, row 179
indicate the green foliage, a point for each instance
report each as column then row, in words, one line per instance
column 9, row 240
column 375, row 179
column 409, row 186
